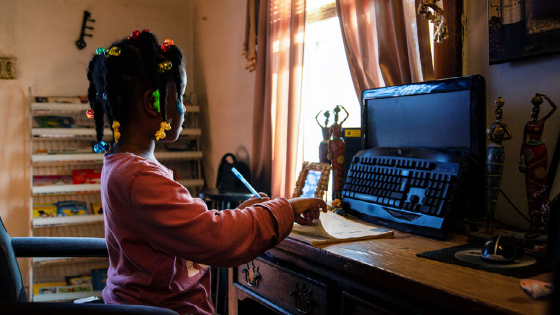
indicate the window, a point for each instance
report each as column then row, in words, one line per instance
column 326, row 78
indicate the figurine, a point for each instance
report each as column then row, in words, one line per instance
column 323, row 146
column 336, row 207
column 534, row 155
column 495, row 158
column 336, row 153
column 539, row 218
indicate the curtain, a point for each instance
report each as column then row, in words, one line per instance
column 277, row 95
column 386, row 42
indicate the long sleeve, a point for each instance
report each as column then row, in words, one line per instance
column 176, row 224
column 182, row 226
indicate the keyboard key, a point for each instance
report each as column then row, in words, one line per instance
column 425, row 209
column 396, row 195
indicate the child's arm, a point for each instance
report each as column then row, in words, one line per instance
column 177, row 224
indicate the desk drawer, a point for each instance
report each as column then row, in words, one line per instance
column 287, row 289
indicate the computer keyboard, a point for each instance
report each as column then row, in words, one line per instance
column 408, row 189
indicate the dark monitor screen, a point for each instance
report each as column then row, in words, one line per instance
column 444, row 115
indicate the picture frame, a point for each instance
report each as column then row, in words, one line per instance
column 519, row 29
column 313, row 180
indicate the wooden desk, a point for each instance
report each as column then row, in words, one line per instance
column 381, row 276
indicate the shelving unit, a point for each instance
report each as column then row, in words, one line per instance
column 58, row 151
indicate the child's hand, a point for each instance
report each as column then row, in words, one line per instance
column 307, row 209
column 253, row 200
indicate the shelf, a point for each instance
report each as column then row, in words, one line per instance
column 81, row 157
column 60, row 261
column 192, row 108
column 64, row 189
column 78, row 107
column 38, row 222
column 191, row 182
column 65, row 132
column 60, row 107
column 64, row 296
column 191, row 132
column 90, row 132
column 96, row 157
column 176, row 155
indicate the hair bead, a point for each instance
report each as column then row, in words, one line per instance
column 135, row 35
column 160, row 134
column 155, row 94
column 113, row 51
column 100, row 147
column 164, row 66
column 166, row 45
column 116, row 133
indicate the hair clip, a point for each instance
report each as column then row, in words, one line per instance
column 104, row 96
column 167, row 44
column 89, row 113
column 155, row 94
column 180, row 108
column 100, row 147
column 135, row 35
column 114, row 51
column 100, row 51
column 116, row 133
column 160, row 134
column 166, row 65
column 146, row 30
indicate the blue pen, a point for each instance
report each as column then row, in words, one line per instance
column 245, row 182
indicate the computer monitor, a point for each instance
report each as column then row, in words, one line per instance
column 446, row 115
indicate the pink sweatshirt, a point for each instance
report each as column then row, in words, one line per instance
column 160, row 239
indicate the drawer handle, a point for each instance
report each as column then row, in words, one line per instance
column 252, row 275
column 303, row 298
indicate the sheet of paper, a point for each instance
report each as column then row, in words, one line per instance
column 333, row 228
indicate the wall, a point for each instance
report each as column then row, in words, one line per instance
column 516, row 82
column 223, row 86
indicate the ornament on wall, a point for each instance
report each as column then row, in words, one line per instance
column 433, row 13
column 81, row 43
column 7, row 68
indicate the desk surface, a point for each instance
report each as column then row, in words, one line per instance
column 391, row 264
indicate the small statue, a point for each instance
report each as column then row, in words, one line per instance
column 336, row 207
column 539, row 218
column 534, row 155
column 324, row 145
column 336, row 153
column 495, row 158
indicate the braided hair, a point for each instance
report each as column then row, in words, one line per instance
column 115, row 77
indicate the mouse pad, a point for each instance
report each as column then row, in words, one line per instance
column 468, row 255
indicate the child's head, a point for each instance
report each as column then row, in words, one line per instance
column 128, row 73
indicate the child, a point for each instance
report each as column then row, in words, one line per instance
column 160, row 239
